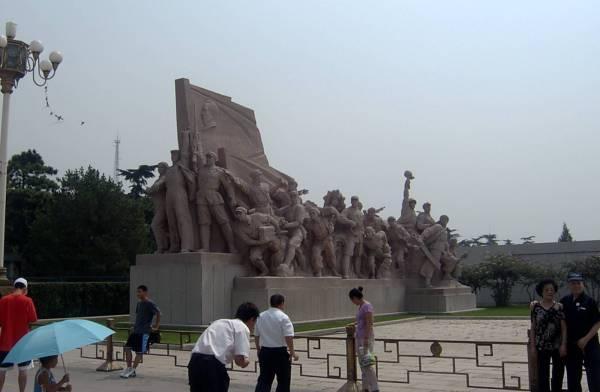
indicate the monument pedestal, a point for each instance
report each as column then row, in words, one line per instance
column 194, row 289
column 189, row 288
column 311, row 299
column 455, row 298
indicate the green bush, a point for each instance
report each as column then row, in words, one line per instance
column 80, row 299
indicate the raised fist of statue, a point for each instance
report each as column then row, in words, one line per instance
column 408, row 174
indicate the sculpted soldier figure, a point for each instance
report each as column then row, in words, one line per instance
column 334, row 199
column 258, row 192
column 350, row 222
column 379, row 256
column 408, row 216
column 257, row 232
column 450, row 261
column 424, row 220
column 179, row 183
column 399, row 239
column 373, row 220
column 281, row 194
column 158, row 194
column 211, row 203
column 294, row 216
column 434, row 242
column 320, row 230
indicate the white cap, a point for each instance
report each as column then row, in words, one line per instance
column 20, row 280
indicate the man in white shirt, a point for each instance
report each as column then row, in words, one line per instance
column 223, row 342
column 274, row 336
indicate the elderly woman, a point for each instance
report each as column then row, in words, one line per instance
column 549, row 336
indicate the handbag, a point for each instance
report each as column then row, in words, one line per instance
column 154, row 337
column 366, row 358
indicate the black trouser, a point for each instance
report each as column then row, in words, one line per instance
column 558, row 371
column 274, row 362
column 591, row 358
column 207, row 374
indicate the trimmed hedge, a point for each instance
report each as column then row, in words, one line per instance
column 79, row 299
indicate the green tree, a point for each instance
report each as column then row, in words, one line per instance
column 528, row 239
column 565, row 236
column 91, row 228
column 472, row 276
column 490, row 239
column 501, row 273
column 30, row 187
column 138, row 178
column 27, row 170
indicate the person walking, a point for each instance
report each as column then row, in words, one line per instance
column 548, row 337
column 223, row 342
column 364, row 340
column 17, row 312
column 274, row 338
column 145, row 311
column 583, row 322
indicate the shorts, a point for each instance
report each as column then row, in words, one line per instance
column 138, row 342
column 6, row 366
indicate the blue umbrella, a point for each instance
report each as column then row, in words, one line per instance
column 57, row 338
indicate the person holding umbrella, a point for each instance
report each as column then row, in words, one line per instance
column 48, row 342
column 44, row 379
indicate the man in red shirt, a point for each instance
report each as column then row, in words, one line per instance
column 17, row 312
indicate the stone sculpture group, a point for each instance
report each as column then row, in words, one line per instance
column 220, row 194
column 279, row 234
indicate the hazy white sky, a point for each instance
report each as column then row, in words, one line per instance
column 492, row 105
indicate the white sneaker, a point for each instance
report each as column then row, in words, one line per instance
column 127, row 373
column 132, row 373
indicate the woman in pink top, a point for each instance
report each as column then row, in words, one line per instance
column 364, row 340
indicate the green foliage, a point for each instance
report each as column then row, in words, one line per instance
column 472, row 276
column 528, row 240
column 565, row 236
column 30, row 188
column 27, row 170
column 500, row 273
column 90, row 228
column 79, row 299
column 138, row 178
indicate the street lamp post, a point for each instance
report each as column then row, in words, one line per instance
column 17, row 59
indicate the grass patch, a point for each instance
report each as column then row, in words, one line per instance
column 306, row 327
column 505, row 311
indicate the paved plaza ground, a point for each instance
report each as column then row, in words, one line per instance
column 160, row 374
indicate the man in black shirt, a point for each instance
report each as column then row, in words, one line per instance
column 145, row 311
column 583, row 322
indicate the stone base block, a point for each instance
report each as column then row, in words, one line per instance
column 190, row 288
column 440, row 300
column 311, row 299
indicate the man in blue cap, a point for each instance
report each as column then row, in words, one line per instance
column 583, row 322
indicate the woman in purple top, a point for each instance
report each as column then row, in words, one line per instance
column 364, row 340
